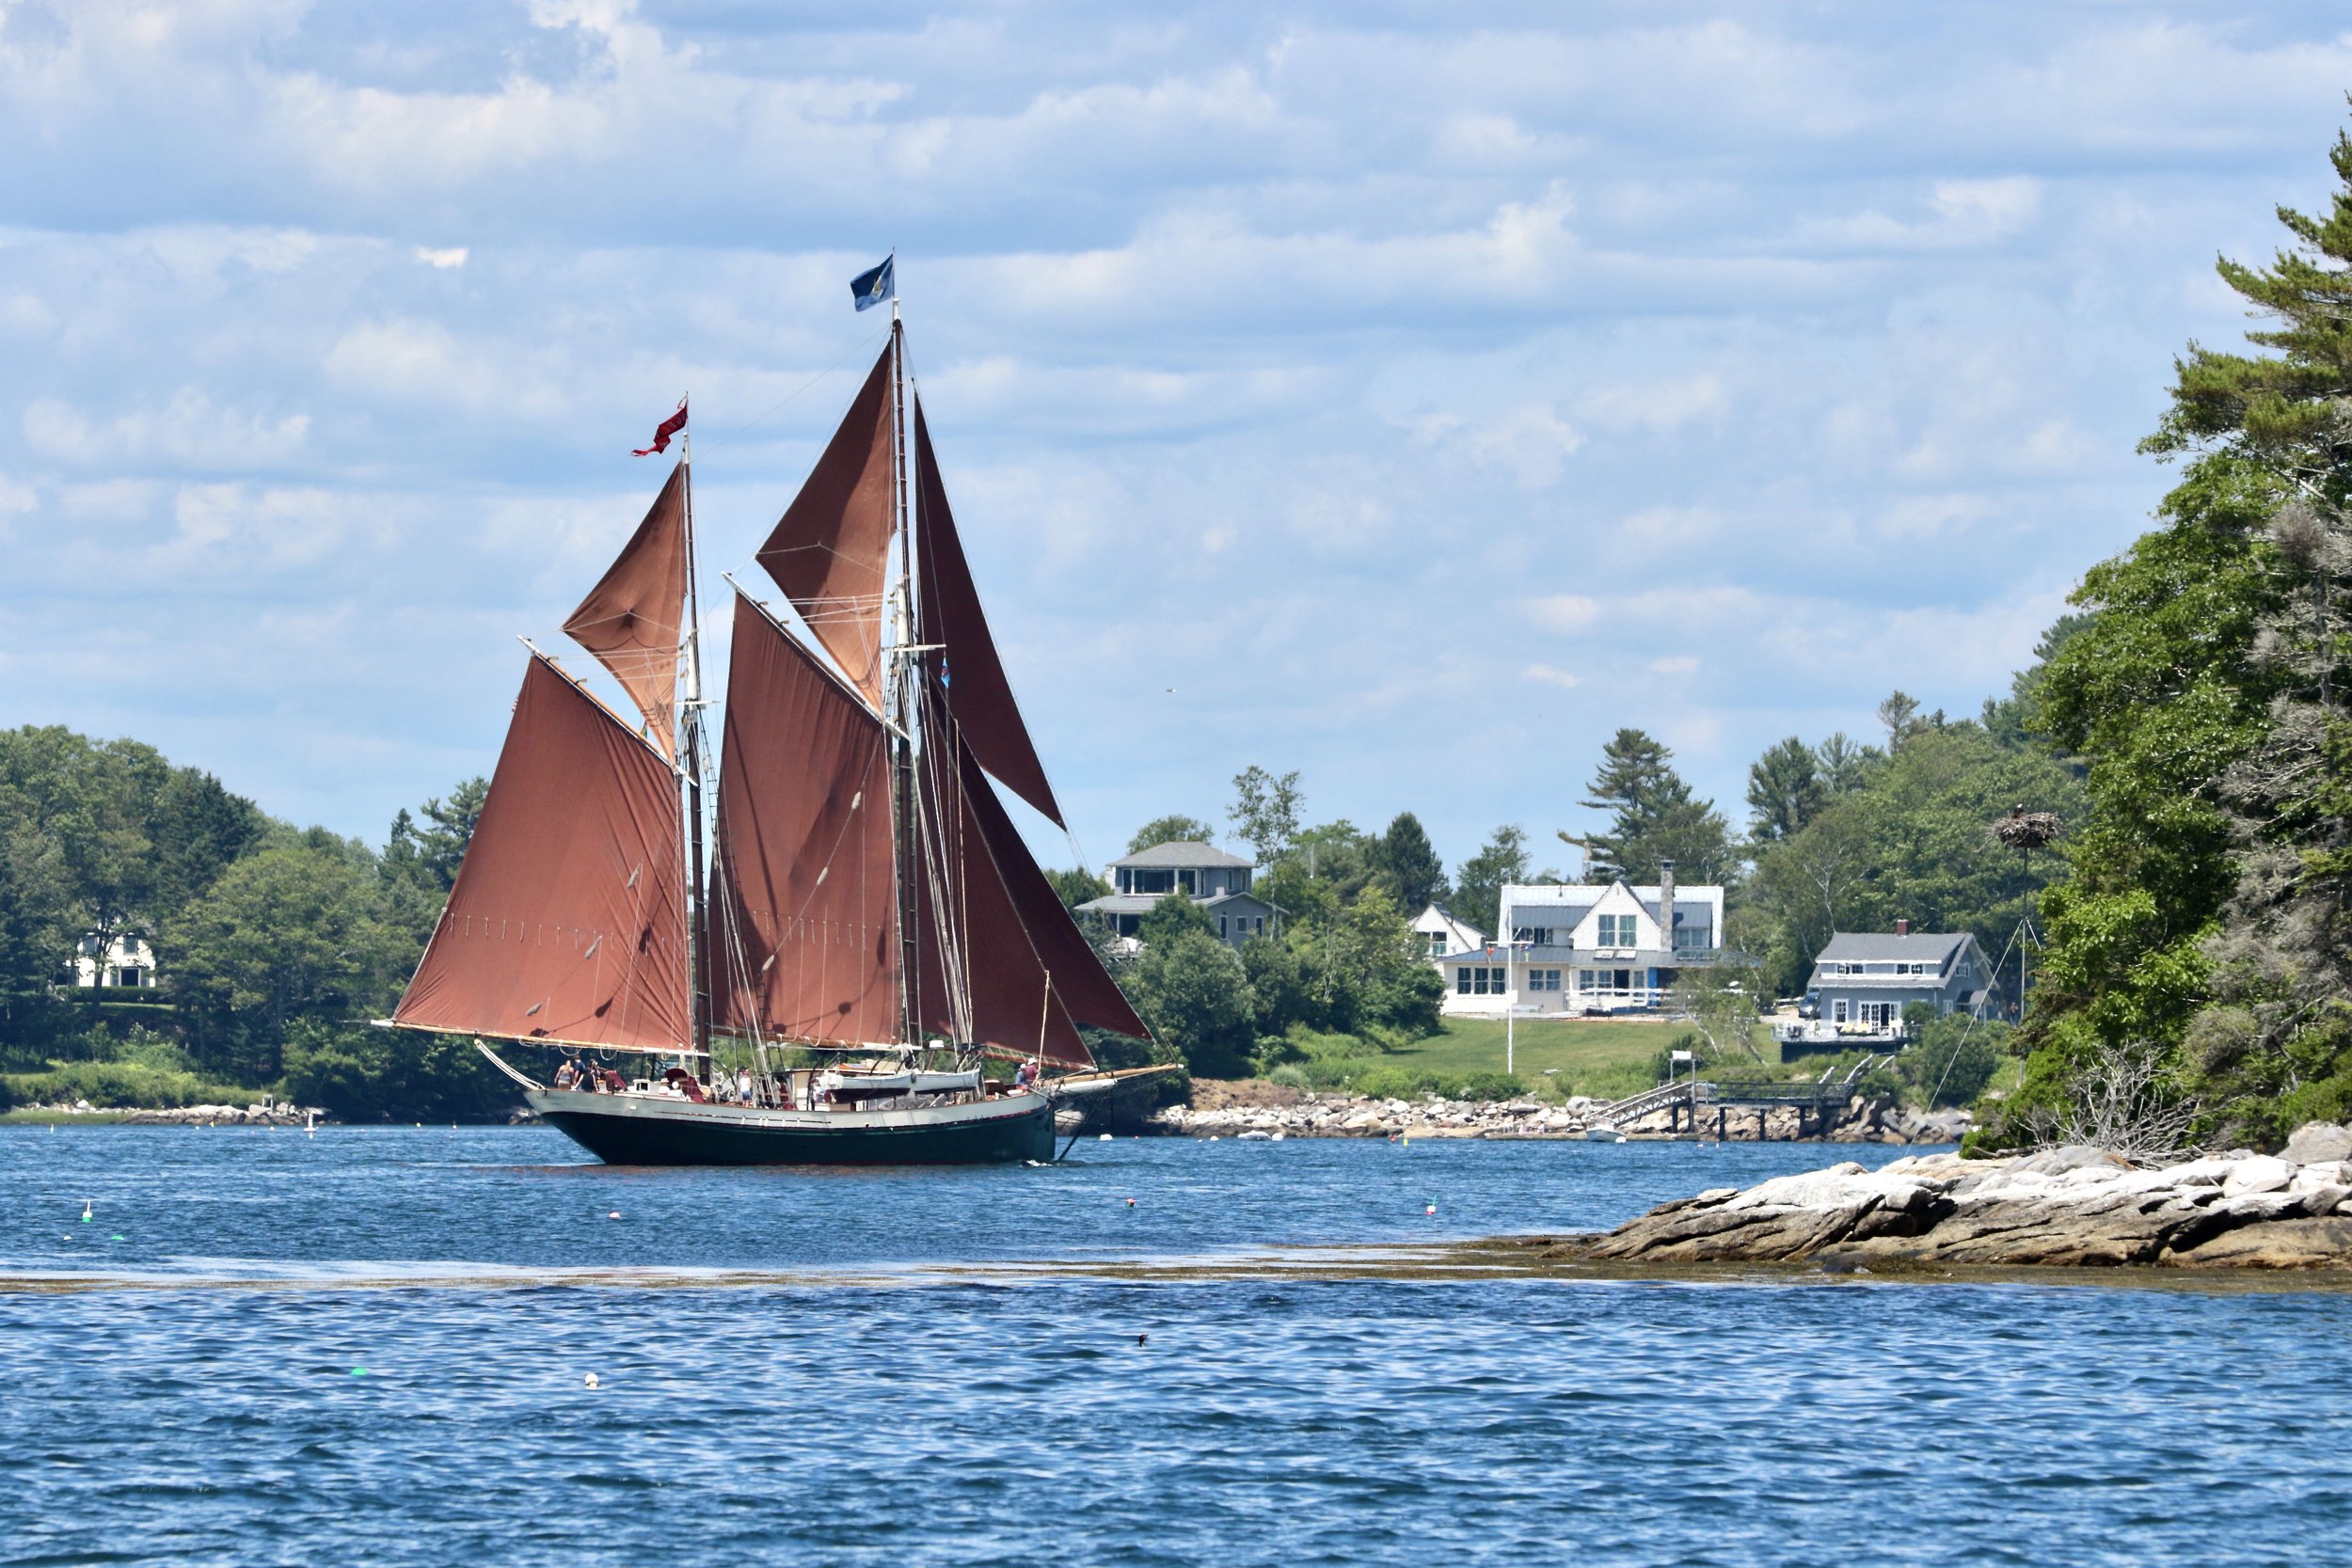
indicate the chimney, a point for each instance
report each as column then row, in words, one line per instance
column 1902, row 928
column 1666, row 907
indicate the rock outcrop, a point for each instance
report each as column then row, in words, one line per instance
column 1254, row 1108
column 2063, row 1207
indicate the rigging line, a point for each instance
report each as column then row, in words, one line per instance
column 855, row 349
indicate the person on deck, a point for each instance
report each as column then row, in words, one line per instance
column 565, row 1076
column 1026, row 1074
column 743, row 1085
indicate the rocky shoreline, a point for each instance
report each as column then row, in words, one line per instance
column 1256, row 1109
column 2072, row 1207
column 261, row 1112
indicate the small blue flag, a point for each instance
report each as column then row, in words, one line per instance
column 870, row 288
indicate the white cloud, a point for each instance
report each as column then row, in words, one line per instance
column 1680, row 664
column 1551, row 675
column 188, row 430
column 1318, row 368
column 1566, row 613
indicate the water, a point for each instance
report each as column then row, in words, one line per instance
column 371, row 1347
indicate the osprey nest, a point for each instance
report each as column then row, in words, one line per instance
column 2026, row 830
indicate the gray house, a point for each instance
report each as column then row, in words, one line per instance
column 1216, row 881
column 1863, row 981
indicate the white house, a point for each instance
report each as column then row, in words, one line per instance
column 127, row 961
column 1587, row 948
column 1440, row 933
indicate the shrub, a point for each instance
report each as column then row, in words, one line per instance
column 1484, row 1087
column 1953, row 1063
column 1290, row 1073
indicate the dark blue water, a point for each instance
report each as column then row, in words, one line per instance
column 366, row 1349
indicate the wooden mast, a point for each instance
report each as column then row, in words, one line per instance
column 690, row 749
column 901, row 677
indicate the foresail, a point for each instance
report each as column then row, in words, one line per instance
column 630, row 621
column 567, row 923
column 949, row 614
column 805, row 947
column 830, row 553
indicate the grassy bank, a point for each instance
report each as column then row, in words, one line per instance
column 1589, row 1056
column 1465, row 1060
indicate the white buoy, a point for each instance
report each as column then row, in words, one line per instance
column 590, row 1381
column 614, row 1215
column 1105, row 1138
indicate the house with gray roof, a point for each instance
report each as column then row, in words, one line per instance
column 1587, row 948
column 1863, row 980
column 1216, row 881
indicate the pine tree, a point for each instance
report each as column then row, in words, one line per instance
column 1408, row 867
column 1652, row 817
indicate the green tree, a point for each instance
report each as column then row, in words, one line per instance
column 1079, row 887
column 359, row 1074
column 1171, row 829
column 295, row 931
column 1407, row 865
column 1479, row 881
column 1785, row 791
column 1654, row 818
column 1845, row 765
column 1265, row 812
column 1191, row 989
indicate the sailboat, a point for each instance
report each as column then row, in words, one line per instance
column 869, row 928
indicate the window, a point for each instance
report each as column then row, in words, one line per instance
column 1438, row 944
column 128, row 975
column 1462, row 981
column 1261, row 924
column 1618, row 930
column 1152, row 881
column 1539, row 936
column 1543, row 979
column 1838, row 1011
column 1220, row 927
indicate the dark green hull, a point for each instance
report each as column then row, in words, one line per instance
column 633, row 1133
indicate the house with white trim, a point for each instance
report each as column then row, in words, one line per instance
column 1587, row 948
column 1440, row 933
column 1863, row 980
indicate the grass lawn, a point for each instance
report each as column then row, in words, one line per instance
column 1593, row 1056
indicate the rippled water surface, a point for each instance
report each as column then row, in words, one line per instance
column 373, row 1346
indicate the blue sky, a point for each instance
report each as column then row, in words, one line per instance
column 1404, row 398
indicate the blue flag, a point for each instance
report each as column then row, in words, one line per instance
column 870, row 288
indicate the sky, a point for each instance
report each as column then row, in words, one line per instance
column 1408, row 394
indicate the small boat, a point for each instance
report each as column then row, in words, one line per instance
column 1603, row 1133
column 868, row 902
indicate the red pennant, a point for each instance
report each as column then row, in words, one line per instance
column 663, row 433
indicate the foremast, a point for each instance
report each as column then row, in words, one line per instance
column 900, row 659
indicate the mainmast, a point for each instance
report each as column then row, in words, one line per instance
column 690, row 752
column 904, row 867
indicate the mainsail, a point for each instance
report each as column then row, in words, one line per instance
column 831, row 551
column 949, row 614
column 807, row 944
column 567, row 923
column 630, row 621
column 1003, row 964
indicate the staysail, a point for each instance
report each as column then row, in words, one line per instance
column 949, row 614
column 831, row 551
column 808, row 907
column 567, row 923
column 630, row 621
